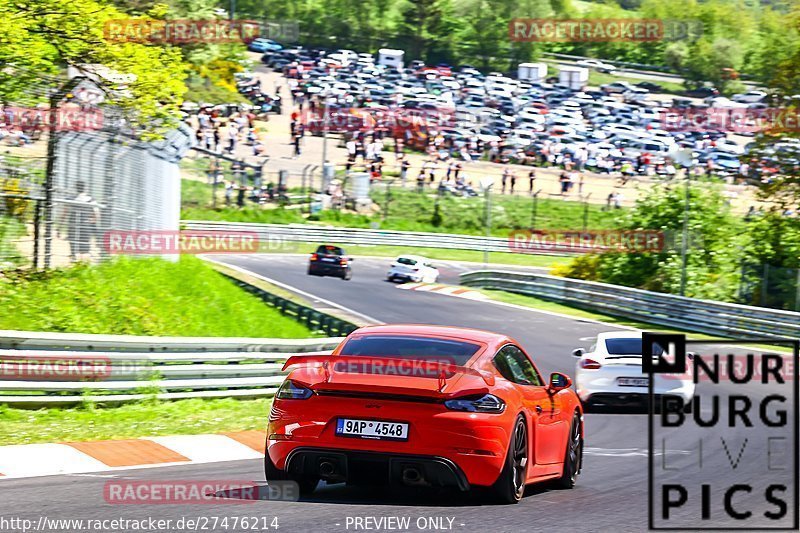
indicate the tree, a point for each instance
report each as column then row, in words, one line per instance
column 707, row 61
column 714, row 245
column 42, row 37
column 423, row 22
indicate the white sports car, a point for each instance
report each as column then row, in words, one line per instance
column 412, row 268
column 610, row 373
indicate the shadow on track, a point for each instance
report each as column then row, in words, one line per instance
column 342, row 494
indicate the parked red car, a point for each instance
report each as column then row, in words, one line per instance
column 425, row 406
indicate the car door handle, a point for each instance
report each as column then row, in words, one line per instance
column 538, row 409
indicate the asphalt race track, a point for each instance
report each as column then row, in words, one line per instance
column 611, row 494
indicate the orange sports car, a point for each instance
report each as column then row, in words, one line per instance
column 424, row 406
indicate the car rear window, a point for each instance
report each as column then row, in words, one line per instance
column 628, row 347
column 330, row 250
column 406, row 261
column 407, row 346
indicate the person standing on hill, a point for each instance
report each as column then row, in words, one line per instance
column 83, row 216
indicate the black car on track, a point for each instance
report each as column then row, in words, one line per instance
column 330, row 260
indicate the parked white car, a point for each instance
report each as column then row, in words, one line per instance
column 412, row 268
column 750, row 97
column 599, row 66
column 610, row 373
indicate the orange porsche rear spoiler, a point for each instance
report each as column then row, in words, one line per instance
column 392, row 366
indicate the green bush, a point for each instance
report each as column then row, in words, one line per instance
column 716, row 242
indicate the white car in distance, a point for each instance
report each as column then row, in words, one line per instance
column 412, row 268
column 610, row 374
column 599, row 66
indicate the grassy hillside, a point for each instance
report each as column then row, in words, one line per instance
column 139, row 297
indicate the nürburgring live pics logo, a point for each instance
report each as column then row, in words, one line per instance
column 729, row 459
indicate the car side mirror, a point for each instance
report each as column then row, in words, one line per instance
column 578, row 352
column 559, row 382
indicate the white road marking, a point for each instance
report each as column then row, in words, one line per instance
column 207, row 448
column 94, row 475
column 629, row 452
column 43, row 459
column 295, row 290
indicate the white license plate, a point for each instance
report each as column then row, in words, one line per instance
column 633, row 382
column 371, row 429
column 328, row 259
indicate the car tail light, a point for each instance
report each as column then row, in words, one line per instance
column 589, row 364
column 343, row 262
column 486, row 403
column 314, row 257
column 289, row 390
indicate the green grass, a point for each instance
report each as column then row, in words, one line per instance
column 139, row 297
column 181, row 417
column 11, row 230
column 600, row 78
column 410, row 211
column 596, row 79
column 196, row 193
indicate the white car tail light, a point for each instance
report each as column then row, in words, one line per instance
column 589, row 364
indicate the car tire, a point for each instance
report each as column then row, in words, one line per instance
column 347, row 275
column 510, row 486
column 273, row 473
column 573, row 455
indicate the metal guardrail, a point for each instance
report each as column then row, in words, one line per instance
column 642, row 67
column 706, row 316
column 47, row 369
column 311, row 318
column 279, row 233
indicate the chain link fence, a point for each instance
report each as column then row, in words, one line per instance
column 64, row 188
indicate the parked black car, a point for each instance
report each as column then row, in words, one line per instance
column 702, row 92
column 650, row 86
column 330, row 260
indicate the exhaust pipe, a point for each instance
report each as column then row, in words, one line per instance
column 412, row 476
column 326, row 469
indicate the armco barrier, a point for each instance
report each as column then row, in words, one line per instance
column 706, row 316
column 311, row 318
column 278, row 233
column 42, row 369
